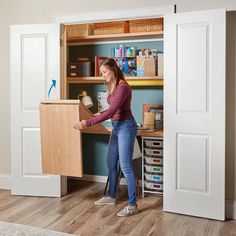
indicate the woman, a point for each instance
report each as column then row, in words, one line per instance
column 122, row 138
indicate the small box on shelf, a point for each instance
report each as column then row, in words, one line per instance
column 82, row 68
column 72, row 69
column 157, row 109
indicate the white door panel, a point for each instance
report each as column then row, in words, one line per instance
column 31, row 164
column 35, row 61
column 194, row 127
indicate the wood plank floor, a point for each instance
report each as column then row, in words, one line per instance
column 76, row 213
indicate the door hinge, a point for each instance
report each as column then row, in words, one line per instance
column 61, row 42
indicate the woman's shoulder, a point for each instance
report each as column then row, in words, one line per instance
column 123, row 84
column 123, row 88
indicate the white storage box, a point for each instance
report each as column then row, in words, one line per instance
column 154, row 177
column 156, row 186
column 154, row 143
column 154, row 169
column 153, row 160
column 153, row 152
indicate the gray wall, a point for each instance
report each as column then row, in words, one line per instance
column 35, row 11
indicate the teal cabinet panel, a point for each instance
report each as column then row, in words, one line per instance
column 95, row 148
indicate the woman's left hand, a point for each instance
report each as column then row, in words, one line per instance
column 80, row 125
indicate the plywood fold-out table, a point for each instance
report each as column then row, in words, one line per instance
column 61, row 144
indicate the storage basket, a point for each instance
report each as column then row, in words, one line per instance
column 154, row 169
column 79, row 30
column 154, row 143
column 156, row 186
column 147, row 25
column 154, row 177
column 117, row 27
column 154, row 152
column 151, row 160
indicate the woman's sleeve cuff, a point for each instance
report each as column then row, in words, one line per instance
column 88, row 122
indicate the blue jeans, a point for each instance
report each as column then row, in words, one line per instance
column 121, row 147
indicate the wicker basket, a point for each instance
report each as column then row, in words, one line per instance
column 79, row 30
column 147, row 25
column 117, row 27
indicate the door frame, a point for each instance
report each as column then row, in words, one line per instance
column 101, row 16
column 110, row 15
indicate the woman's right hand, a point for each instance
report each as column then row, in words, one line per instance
column 80, row 125
column 97, row 114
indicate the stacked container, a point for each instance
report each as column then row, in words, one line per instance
column 152, row 165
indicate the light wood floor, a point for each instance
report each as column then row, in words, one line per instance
column 76, row 214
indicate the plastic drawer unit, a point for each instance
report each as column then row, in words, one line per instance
column 152, row 165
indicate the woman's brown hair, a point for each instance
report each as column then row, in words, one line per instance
column 111, row 64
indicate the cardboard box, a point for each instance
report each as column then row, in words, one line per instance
column 82, row 69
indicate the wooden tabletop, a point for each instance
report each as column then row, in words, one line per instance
column 146, row 133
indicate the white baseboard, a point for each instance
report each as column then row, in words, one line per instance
column 230, row 209
column 101, row 179
column 94, row 178
column 5, row 181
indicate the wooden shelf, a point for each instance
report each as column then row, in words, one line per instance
column 157, row 133
column 107, row 37
column 146, row 82
column 133, row 81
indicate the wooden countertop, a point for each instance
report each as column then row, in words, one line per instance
column 146, row 133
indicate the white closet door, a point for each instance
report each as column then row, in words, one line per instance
column 35, row 62
column 194, row 100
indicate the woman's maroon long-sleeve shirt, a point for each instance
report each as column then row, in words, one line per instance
column 119, row 108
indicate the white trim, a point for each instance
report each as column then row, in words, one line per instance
column 93, row 178
column 230, row 209
column 89, row 17
column 230, row 8
column 100, row 179
column 5, row 182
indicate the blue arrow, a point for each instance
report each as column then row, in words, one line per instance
column 53, row 85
